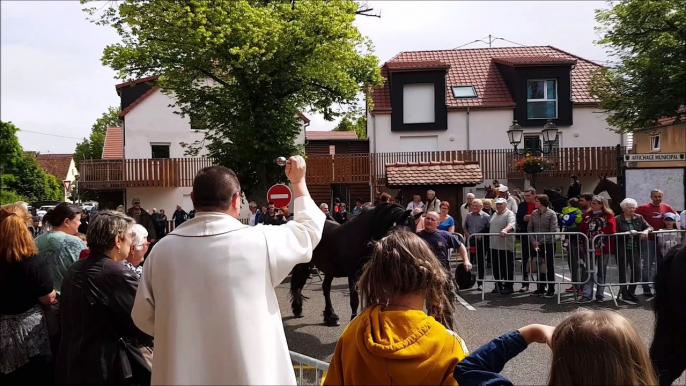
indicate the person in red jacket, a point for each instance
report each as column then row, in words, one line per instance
column 599, row 220
column 654, row 212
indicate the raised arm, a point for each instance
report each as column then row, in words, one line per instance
column 292, row 243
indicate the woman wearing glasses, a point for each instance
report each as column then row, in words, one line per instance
column 598, row 220
column 100, row 343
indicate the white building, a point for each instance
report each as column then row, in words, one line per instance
column 145, row 157
column 467, row 99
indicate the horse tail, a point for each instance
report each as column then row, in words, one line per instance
column 301, row 272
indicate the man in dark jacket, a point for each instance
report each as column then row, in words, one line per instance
column 574, row 190
column 143, row 218
column 179, row 217
column 524, row 210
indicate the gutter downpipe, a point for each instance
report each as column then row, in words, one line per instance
column 372, row 165
column 468, row 147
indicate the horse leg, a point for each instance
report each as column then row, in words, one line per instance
column 330, row 317
column 354, row 297
column 298, row 279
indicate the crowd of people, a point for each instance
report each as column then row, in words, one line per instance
column 126, row 312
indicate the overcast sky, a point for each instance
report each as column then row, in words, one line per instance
column 53, row 81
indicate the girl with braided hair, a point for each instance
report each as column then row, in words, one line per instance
column 393, row 340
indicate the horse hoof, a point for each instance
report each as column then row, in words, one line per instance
column 298, row 313
column 332, row 322
column 352, row 316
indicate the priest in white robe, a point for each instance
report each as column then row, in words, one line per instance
column 207, row 289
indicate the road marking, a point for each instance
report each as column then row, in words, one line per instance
column 606, row 294
column 464, row 303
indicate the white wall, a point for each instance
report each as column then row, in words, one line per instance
column 71, row 177
column 488, row 130
column 168, row 198
column 153, row 121
column 160, row 198
column 300, row 139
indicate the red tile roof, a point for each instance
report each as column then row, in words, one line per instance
column 303, row 117
column 418, row 65
column 477, row 67
column 55, row 164
column 434, row 173
column 520, row 61
column 329, row 135
column 114, row 143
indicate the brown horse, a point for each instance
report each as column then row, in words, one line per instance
column 491, row 191
column 614, row 190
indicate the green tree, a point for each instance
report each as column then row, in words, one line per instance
column 243, row 69
column 359, row 126
column 91, row 147
column 21, row 174
column 649, row 39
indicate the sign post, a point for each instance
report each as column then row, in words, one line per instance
column 280, row 195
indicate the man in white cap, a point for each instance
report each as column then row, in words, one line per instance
column 502, row 222
column 511, row 202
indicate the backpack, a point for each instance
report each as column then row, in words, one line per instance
column 568, row 219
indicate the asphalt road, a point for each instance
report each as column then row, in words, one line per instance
column 479, row 321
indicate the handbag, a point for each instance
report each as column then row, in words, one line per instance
column 135, row 362
column 533, row 265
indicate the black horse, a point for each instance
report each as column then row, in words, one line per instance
column 557, row 200
column 668, row 350
column 342, row 252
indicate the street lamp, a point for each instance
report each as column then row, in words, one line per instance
column 515, row 134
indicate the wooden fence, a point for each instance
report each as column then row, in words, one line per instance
column 140, row 173
column 495, row 164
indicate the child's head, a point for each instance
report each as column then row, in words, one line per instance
column 402, row 264
column 599, row 348
column 573, row 202
column 670, row 221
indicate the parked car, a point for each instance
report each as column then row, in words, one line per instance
column 43, row 210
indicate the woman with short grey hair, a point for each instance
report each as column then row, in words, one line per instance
column 636, row 230
column 98, row 295
column 138, row 249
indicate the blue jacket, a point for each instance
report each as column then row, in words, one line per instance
column 483, row 365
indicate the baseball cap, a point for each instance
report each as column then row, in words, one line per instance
column 502, row 188
column 136, row 201
column 500, row 200
column 670, row 216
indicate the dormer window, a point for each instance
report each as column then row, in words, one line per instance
column 418, row 103
column 541, row 99
column 464, row 92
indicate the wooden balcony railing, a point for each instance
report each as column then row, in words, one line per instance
column 495, row 164
column 139, row 173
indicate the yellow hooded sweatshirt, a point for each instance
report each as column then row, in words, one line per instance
column 395, row 348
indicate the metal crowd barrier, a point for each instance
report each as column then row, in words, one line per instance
column 514, row 263
column 627, row 259
column 309, row 371
column 453, row 254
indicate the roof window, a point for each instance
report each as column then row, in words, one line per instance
column 464, row 92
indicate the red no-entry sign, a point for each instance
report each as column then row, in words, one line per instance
column 280, row 195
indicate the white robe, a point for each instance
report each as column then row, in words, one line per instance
column 207, row 296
